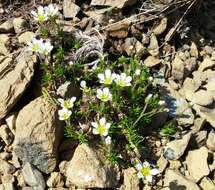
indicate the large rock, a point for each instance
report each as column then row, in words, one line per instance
column 38, row 134
column 175, row 149
column 13, row 82
column 87, row 169
column 176, row 181
column 113, row 3
column 197, row 163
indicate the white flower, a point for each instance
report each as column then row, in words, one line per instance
column 64, row 114
column 108, row 140
column 161, row 103
column 100, row 127
column 46, row 48
column 51, row 10
column 123, row 80
column 35, row 45
column 67, row 104
column 104, row 94
column 148, row 98
column 40, row 15
column 137, row 72
column 71, row 63
column 145, row 171
column 106, row 78
column 84, row 87
column 150, row 79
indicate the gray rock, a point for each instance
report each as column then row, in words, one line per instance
column 206, row 113
column 176, row 181
column 119, row 3
column 162, row 164
column 19, row 25
column 131, row 181
column 38, row 134
column 97, row 175
column 70, row 9
column 33, row 177
column 202, row 98
column 177, row 105
column 161, row 27
column 6, row 27
column 175, row 149
column 178, row 69
column 14, row 81
column 26, row 37
column 211, row 141
column 198, row 124
column 197, row 163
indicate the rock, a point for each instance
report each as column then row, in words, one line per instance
column 206, row 64
column 70, row 9
column 7, row 178
column 151, row 61
column 190, row 65
column 176, row 181
column 159, row 29
column 131, row 181
column 6, row 168
column 153, row 47
column 7, row 186
column 68, row 89
column 174, row 164
column 211, row 141
column 63, row 167
column 19, row 25
column 178, row 107
column 194, row 50
column 14, row 82
column 207, row 184
column 198, row 124
column 33, row 177
column 210, row 86
column 175, row 149
column 38, row 134
column 97, row 175
column 197, row 164
column 15, row 160
column 202, row 98
column 55, row 180
column 129, row 46
column 200, row 138
column 118, row 4
column 6, row 135
column 11, row 121
column 26, row 37
column 6, row 27
column 162, row 164
column 178, row 68
column 119, row 30
column 3, row 49
column 206, row 113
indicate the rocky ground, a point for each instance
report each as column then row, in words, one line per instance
column 33, row 152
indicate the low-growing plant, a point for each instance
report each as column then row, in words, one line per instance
column 118, row 99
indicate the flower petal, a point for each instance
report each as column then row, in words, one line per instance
column 139, row 175
column 94, row 124
column 138, row 166
column 149, row 178
column 102, row 121
column 107, row 73
column 154, row 171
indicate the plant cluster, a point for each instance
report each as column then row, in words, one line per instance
column 117, row 102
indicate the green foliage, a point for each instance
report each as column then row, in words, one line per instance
column 168, row 129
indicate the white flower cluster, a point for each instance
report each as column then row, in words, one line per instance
column 107, row 78
column 44, row 13
column 67, row 105
column 39, row 46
